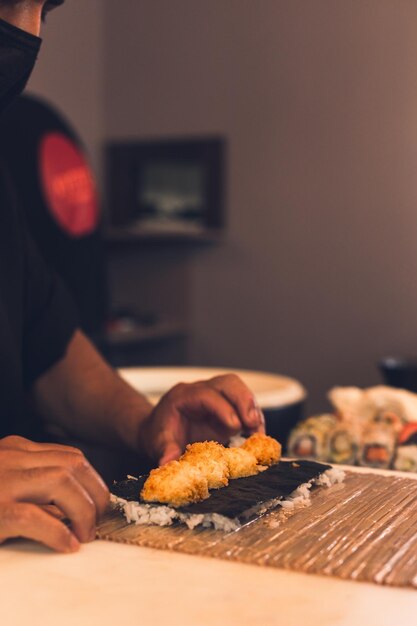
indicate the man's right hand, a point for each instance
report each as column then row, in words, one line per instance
column 34, row 475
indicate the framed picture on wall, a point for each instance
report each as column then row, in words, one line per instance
column 167, row 186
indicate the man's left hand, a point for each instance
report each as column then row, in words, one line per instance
column 214, row 409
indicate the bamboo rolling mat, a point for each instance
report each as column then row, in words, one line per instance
column 364, row 529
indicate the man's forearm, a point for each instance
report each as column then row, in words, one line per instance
column 84, row 396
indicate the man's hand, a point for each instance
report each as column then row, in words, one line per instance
column 85, row 397
column 214, row 409
column 33, row 476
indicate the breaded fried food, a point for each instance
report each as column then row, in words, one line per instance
column 176, row 483
column 209, row 457
column 241, row 463
column 209, row 449
column 266, row 449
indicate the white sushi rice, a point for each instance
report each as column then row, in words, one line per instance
column 236, row 441
column 330, row 477
column 138, row 513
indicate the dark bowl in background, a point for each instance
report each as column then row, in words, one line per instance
column 399, row 372
column 281, row 420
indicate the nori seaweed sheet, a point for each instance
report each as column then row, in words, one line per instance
column 241, row 494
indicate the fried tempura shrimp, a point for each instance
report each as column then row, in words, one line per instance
column 241, row 462
column 209, row 458
column 266, row 449
column 176, row 483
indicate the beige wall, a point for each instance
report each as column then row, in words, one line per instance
column 318, row 101
column 69, row 71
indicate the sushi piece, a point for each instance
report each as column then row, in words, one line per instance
column 176, row 483
column 366, row 404
column 266, row 450
column 210, row 458
column 242, row 463
column 352, row 403
column 302, row 443
column 378, row 446
column 408, row 435
column 310, row 438
column 406, row 458
column 344, row 444
column 390, row 420
column 322, row 421
column 391, row 400
column 406, row 454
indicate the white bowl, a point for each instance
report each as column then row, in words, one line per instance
column 271, row 390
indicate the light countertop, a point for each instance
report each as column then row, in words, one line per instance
column 107, row 584
column 113, row 584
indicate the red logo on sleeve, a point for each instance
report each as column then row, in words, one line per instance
column 68, row 185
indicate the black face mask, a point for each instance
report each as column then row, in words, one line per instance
column 18, row 52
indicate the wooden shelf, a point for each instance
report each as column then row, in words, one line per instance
column 135, row 235
column 143, row 334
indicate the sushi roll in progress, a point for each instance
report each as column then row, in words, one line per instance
column 176, row 483
column 208, row 465
column 241, row 463
column 266, row 450
column 210, row 458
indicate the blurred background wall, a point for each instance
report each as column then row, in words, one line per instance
column 70, row 69
column 318, row 102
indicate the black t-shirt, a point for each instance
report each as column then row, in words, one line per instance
column 33, row 138
column 37, row 317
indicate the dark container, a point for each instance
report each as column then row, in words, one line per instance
column 281, row 420
column 400, row 372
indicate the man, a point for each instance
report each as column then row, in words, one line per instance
column 45, row 357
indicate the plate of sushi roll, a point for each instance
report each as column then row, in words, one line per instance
column 221, row 487
column 375, row 427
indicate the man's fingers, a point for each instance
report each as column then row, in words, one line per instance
column 57, row 485
column 53, row 474
column 262, row 426
column 14, row 442
column 20, row 443
column 30, row 522
column 77, row 464
column 179, row 431
column 203, row 402
column 242, row 399
column 171, row 452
